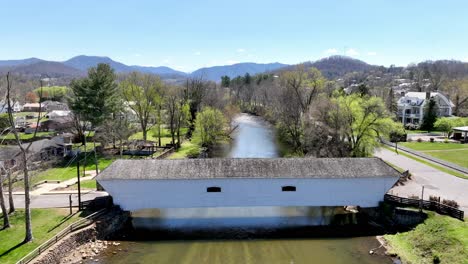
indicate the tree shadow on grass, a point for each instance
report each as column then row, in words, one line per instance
column 64, row 219
column 12, row 249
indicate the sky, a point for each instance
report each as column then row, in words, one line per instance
column 187, row 35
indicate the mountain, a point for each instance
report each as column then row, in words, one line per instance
column 337, row 66
column 13, row 63
column 83, row 63
column 215, row 73
column 41, row 68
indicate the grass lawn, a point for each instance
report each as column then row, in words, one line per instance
column 88, row 184
column 65, row 173
column 424, row 146
column 45, row 223
column 439, row 237
column 186, row 149
column 153, row 136
column 451, row 152
column 443, row 169
column 24, row 136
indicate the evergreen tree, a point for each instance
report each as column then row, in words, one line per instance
column 430, row 115
column 95, row 97
column 225, row 81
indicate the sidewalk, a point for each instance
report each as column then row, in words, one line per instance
column 49, row 187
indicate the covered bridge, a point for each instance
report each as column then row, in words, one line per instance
column 142, row 184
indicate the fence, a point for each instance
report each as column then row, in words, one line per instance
column 429, row 205
column 428, row 157
column 88, row 220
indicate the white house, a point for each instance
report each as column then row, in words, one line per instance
column 189, row 183
column 58, row 114
column 411, row 106
column 4, row 106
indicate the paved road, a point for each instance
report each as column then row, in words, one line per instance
column 435, row 182
column 54, row 200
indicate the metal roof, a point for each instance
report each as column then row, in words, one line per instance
column 248, row 168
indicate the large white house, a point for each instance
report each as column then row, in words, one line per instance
column 411, row 106
column 188, row 183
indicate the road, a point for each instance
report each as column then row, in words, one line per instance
column 435, row 182
column 55, row 200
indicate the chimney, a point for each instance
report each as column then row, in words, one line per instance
column 428, row 95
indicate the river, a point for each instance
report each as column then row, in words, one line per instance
column 230, row 235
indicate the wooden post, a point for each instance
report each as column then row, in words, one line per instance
column 70, row 201
column 79, row 186
column 422, row 199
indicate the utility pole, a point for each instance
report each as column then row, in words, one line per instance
column 79, row 186
column 422, row 199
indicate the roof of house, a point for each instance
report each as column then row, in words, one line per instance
column 422, row 96
column 59, row 113
column 248, row 168
column 461, row 129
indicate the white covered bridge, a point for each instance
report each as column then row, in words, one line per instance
column 143, row 184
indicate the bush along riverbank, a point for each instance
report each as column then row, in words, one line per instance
column 440, row 239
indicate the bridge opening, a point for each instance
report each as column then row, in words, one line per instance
column 288, row 188
column 213, row 189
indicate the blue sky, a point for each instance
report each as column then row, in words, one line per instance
column 187, row 35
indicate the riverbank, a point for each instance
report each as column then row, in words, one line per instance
column 440, row 239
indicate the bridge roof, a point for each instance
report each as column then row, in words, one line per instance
column 248, row 168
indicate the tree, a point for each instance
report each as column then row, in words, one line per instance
column 458, row 93
column 95, row 97
column 362, row 121
column 225, row 81
column 6, row 219
column 31, row 97
column 143, row 94
column 430, row 115
column 24, row 153
column 209, row 127
column 4, row 122
column 445, row 124
column 195, row 91
column 391, row 103
column 178, row 112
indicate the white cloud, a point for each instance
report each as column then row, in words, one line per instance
column 465, row 59
column 240, row 50
column 137, row 55
column 331, row 51
column 197, row 53
column 232, row 62
column 371, row 53
column 352, row 52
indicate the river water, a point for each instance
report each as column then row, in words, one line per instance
column 242, row 235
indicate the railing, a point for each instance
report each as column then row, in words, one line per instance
column 88, row 220
column 428, row 157
column 424, row 204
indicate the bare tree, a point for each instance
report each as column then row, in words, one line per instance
column 24, row 152
column 6, row 219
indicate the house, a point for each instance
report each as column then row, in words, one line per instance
column 411, row 106
column 16, row 106
column 60, row 124
column 54, row 106
column 186, row 183
column 33, row 107
column 59, row 114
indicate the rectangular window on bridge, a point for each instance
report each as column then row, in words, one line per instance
column 288, row 188
column 213, row 189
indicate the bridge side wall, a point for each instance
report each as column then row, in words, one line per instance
column 143, row 194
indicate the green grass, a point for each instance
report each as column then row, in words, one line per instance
column 187, row 148
column 431, row 164
column 24, row 136
column 451, row 152
column 425, row 146
column 459, row 157
column 418, row 131
column 66, row 173
column 45, row 224
column 153, row 136
column 441, row 236
column 88, row 184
